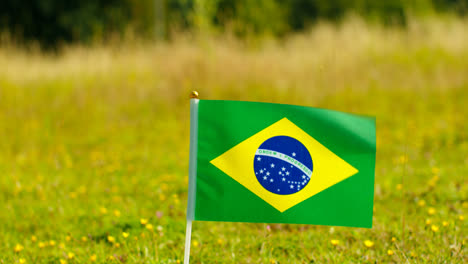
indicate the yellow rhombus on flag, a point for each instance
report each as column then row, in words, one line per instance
column 329, row 169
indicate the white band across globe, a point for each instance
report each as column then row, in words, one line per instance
column 286, row 158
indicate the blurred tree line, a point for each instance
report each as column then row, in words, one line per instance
column 51, row 22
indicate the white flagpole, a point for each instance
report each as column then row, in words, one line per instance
column 188, row 237
column 192, row 172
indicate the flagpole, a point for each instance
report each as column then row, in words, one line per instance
column 188, row 237
column 192, row 172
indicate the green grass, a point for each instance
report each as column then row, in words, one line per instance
column 92, row 131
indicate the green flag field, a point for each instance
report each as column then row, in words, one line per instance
column 94, row 148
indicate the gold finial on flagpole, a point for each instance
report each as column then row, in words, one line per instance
column 194, row 95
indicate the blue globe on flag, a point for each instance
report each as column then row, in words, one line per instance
column 283, row 165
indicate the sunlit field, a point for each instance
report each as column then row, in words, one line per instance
column 94, row 144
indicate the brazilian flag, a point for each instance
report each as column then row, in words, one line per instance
column 275, row 163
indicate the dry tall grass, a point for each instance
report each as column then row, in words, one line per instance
column 428, row 54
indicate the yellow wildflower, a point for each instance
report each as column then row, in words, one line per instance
column 117, row 245
column 33, row 238
column 41, row 245
column 149, row 227
column 390, row 252
column 117, row 213
column 92, row 258
column 465, row 205
column 220, row 241
column 399, row 186
column 421, row 203
column 125, row 234
column 62, row 261
column 461, row 217
column 433, row 181
column 143, row 221
column 52, row 243
column 103, row 210
column 445, row 223
column 84, row 239
column 111, row 239
column 335, row 242
column 272, row 261
column 68, row 238
column 393, row 239
column 82, row 189
column 428, row 221
column 195, row 243
column 431, row 210
column 62, row 245
column 368, row 243
column 70, row 255
column 435, row 228
column 110, row 257
column 403, row 159
column 413, row 254
column 22, row 261
column 18, row 248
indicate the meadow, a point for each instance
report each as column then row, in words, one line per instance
column 94, row 144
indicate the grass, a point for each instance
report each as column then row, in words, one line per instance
column 94, row 143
